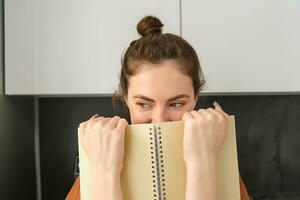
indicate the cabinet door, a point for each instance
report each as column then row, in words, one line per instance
column 245, row 46
column 74, row 46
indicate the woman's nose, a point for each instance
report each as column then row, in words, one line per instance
column 160, row 115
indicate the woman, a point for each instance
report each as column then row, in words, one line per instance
column 160, row 80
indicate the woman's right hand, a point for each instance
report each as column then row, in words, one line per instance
column 103, row 141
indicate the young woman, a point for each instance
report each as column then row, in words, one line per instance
column 160, row 81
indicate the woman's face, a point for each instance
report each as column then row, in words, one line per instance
column 159, row 93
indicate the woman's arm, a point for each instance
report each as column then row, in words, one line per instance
column 105, row 186
column 201, row 181
column 103, row 141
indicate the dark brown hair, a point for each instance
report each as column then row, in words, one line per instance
column 154, row 47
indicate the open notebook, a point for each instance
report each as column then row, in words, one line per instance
column 154, row 168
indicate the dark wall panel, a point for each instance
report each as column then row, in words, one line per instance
column 17, row 162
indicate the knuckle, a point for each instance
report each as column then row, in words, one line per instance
column 226, row 116
column 116, row 117
column 210, row 117
column 104, row 121
column 82, row 124
column 123, row 121
column 210, row 109
column 185, row 115
column 98, row 125
column 194, row 113
column 88, row 124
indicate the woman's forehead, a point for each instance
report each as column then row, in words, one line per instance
column 161, row 80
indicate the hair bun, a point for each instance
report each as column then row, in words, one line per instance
column 149, row 25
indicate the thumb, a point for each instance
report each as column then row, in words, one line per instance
column 219, row 109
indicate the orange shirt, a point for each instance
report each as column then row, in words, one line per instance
column 74, row 193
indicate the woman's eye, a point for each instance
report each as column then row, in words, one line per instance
column 143, row 105
column 176, row 105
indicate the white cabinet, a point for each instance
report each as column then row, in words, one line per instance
column 58, row 47
column 245, row 46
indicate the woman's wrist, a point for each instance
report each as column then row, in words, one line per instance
column 105, row 184
column 101, row 170
column 201, row 182
column 203, row 169
column 203, row 162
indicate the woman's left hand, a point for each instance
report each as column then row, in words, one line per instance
column 205, row 131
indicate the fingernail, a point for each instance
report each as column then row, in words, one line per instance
column 216, row 104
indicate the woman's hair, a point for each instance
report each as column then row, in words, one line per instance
column 155, row 47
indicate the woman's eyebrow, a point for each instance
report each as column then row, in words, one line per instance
column 143, row 97
column 179, row 97
column 171, row 99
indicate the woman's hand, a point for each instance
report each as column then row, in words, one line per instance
column 103, row 141
column 205, row 131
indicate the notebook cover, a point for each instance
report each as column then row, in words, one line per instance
column 139, row 178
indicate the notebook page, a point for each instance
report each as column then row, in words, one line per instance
column 136, row 179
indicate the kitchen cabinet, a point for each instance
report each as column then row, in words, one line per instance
column 73, row 47
column 245, row 46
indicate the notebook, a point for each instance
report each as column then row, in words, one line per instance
column 154, row 168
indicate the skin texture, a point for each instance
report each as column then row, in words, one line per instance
column 157, row 93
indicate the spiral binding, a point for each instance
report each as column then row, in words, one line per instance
column 162, row 170
column 153, row 163
column 158, row 176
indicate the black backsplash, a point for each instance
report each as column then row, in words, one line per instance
column 17, row 158
column 268, row 135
